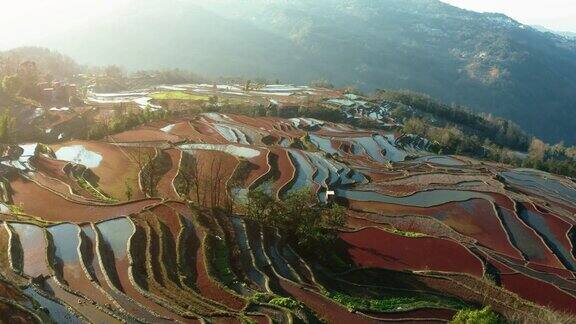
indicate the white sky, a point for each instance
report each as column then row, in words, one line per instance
column 559, row 15
column 24, row 22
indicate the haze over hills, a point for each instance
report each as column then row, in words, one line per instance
column 567, row 34
column 487, row 61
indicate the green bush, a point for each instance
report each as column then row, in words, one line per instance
column 261, row 297
column 217, row 253
column 272, row 299
column 311, row 225
column 477, row 316
column 121, row 121
column 285, row 302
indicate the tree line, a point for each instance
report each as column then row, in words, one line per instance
column 458, row 130
column 498, row 130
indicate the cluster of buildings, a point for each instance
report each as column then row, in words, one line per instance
column 56, row 93
column 42, row 88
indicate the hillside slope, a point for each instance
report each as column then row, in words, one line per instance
column 208, row 211
column 487, row 61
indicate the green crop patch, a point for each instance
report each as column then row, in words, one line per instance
column 177, row 95
column 394, row 303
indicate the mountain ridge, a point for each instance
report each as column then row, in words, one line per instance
column 487, row 61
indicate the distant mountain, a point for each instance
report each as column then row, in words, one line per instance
column 567, row 34
column 58, row 66
column 487, row 61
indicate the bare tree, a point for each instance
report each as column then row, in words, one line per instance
column 145, row 160
column 215, row 181
column 205, row 186
column 537, row 150
column 189, row 178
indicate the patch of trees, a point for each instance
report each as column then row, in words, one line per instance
column 51, row 64
column 447, row 140
column 204, row 186
column 467, row 133
column 11, row 85
column 557, row 159
column 498, row 130
column 114, row 78
column 152, row 164
column 299, row 215
column 18, row 90
column 225, row 106
column 122, row 121
column 105, row 83
column 7, row 126
column 321, row 83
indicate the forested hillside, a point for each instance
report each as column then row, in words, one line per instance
column 486, row 61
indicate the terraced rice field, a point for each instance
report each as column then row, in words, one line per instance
column 90, row 234
column 374, row 248
column 103, row 160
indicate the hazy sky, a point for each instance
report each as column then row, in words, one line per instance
column 558, row 15
column 24, row 22
column 29, row 21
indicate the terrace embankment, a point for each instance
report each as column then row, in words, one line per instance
column 37, row 201
column 111, row 179
column 424, row 235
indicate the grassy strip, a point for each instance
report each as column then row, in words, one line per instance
column 86, row 185
column 18, row 212
column 288, row 304
column 217, row 254
column 265, row 298
column 16, row 209
column 285, row 302
column 177, row 95
column 405, row 233
column 394, row 303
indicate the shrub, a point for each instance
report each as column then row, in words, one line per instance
column 265, row 298
column 261, row 297
column 285, row 302
column 218, row 257
column 311, row 225
column 476, row 316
